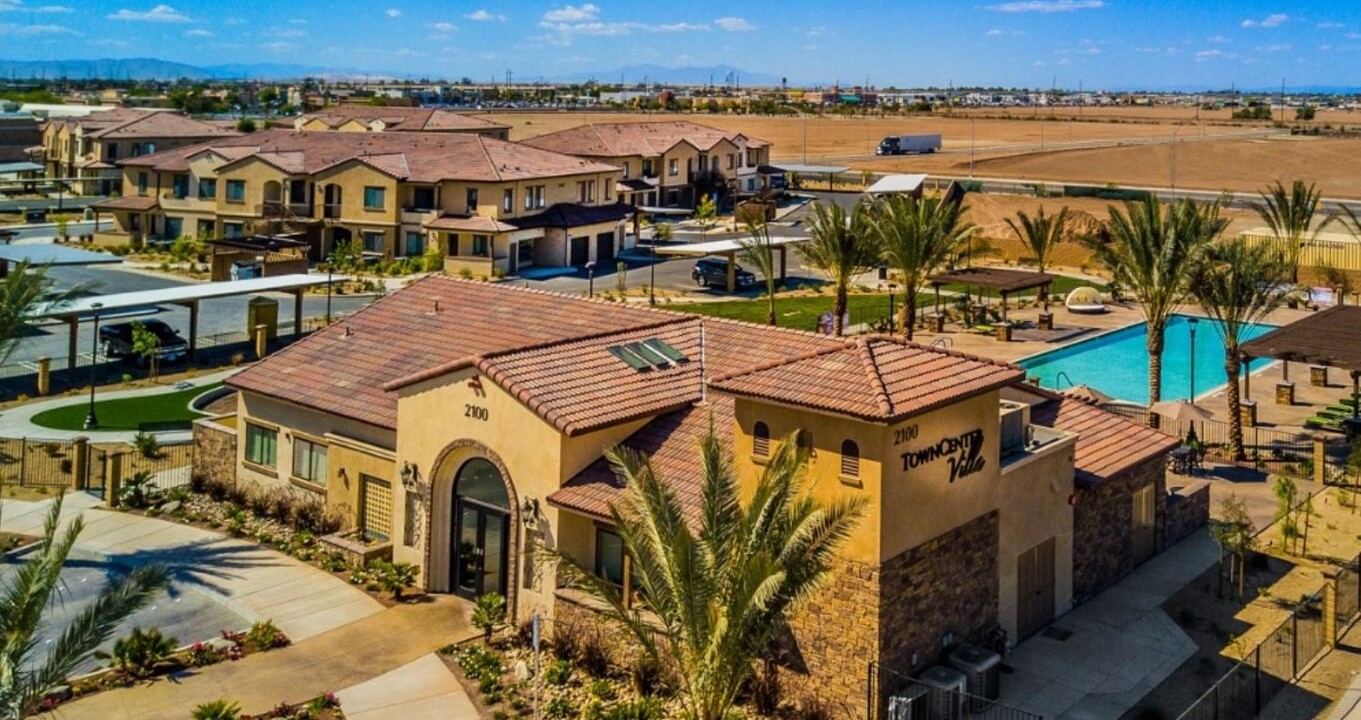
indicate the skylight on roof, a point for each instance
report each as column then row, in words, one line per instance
column 650, row 354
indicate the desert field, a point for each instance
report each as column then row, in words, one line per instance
column 1136, row 150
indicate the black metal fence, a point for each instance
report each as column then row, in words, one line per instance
column 892, row 695
column 1346, row 597
column 38, row 463
column 48, row 464
column 1281, row 451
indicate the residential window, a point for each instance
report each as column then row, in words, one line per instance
column 626, row 171
column 309, row 461
column 647, row 168
column 534, row 197
column 141, row 183
column 760, row 440
column 586, row 191
column 112, row 151
column 714, row 165
column 508, row 200
column 262, row 445
column 423, row 198
column 732, row 161
column 236, row 191
column 232, row 229
column 480, row 244
column 179, row 186
column 472, row 200
column 205, row 228
column 207, row 188
column 674, row 169
column 374, row 198
column 135, row 222
column 609, row 557
column 415, row 244
column 850, row 459
column 373, row 241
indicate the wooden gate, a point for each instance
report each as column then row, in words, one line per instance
column 1034, row 589
column 1143, row 531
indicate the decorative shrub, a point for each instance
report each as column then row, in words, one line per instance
column 141, row 653
column 221, row 709
column 558, row 672
column 489, row 611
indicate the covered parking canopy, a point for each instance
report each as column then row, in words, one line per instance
column 729, row 249
column 1331, row 338
column 51, row 254
column 898, row 185
column 1002, row 280
column 831, row 171
column 73, row 311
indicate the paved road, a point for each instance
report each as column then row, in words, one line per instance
column 45, row 232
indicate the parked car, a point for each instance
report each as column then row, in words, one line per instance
column 116, row 341
column 713, row 272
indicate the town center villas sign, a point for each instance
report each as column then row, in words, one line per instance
column 964, row 452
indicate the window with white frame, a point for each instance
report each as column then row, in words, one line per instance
column 309, row 461
column 262, row 445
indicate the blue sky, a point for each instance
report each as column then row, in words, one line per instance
column 1100, row 43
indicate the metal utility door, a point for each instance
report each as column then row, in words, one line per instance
column 1034, row 589
column 581, row 251
column 1143, row 524
column 604, row 248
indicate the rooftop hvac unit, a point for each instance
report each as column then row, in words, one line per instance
column 983, row 671
column 1015, row 418
column 945, row 692
column 910, row 703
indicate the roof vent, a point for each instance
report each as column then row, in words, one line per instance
column 650, row 354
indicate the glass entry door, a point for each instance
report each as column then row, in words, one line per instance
column 479, row 560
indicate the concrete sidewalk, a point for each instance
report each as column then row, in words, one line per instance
column 423, row 689
column 1122, row 645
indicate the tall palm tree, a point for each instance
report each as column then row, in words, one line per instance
column 722, row 589
column 1239, row 284
column 842, row 248
column 759, row 251
column 1040, row 234
column 24, row 598
column 916, row 237
column 1150, row 252
column 1290, row 216
column 23, row 289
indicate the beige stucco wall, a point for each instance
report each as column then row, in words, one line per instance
column 1032, row 497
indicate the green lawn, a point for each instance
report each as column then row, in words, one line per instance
column 126, row 413
column 800, row 313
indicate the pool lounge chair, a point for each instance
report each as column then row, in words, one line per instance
column 1084, row 299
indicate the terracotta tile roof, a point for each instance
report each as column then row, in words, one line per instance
column 873, row 378
column 130, row 124
column 416, row 157
column 570, row 215
column 402, row 119
column 475, row 223
column 1107, row 444
column 636, row 138
column 128, row 202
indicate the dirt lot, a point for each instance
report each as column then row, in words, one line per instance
column 1011, row 148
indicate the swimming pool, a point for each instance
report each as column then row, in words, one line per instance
column 1116, row 363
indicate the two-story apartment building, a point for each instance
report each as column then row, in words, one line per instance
column 88, row 148
column 491, row 206
column 464, row 423
column 667, row 164
column 375, row 118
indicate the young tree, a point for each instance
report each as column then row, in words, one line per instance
column 1238, row 284
column 186, row 249
column 245, row 125
column 916, row 237
column 842, row 247
column 706, row 212
column 1040, row 234
column 722, row 588
column 1290, row 214
column 760, row 253
column 1234, row 532
column 146, row 345
column 1150, row 254
column 25, row 597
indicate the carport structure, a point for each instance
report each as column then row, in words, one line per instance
column 72, row 312
column 729, row 249
column 51, row 254
column 1004, row 281
column 831, row 171
column 1328, row 339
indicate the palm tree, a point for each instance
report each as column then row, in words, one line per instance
column 21, row 291
column 916, row 237
column 842, row 248
column 722, row 589
column 1040, row 234
column 24, row 599
column 1150, row 252
column 760, row 252
column 1290, row 216
column 1238, row 284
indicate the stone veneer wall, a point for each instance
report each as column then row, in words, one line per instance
column 947, row 584
column 835, row 637
column 1102, row 548
column 214, row 451
column 1188, row 508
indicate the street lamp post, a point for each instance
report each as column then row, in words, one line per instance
column 892, row 316
column 329, row 270
column 590, row 278
column 652, row 271
column 1192, row 323
column 92, row 422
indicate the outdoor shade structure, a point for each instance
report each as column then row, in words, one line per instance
column 72, row 312
column 1004, row 281
column 1331, row 338
column 51, row 254
column 729, row 250
column 831, row 171
column 898, row 185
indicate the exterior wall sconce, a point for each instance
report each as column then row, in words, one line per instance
column 529, row 511
column 411, row 477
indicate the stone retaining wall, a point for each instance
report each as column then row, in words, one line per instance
column 1103, row 551
column 214, row 451
column 1188, row 508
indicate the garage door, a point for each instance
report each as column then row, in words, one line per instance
column 581, row 251
column 604, row 248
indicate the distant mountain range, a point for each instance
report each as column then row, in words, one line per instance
column 633, row 74
column 155, row 69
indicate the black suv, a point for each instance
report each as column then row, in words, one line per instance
column 116, row 341
column 713, row 272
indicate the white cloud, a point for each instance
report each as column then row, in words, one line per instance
column 811, row 48
column 734, row 24
column 442, row 28
column 1039, row 63
column 234, row 21
column 1216, row 39
column 1273, row 48
column 393, row 13
column 408, row 52
column 1329, row 25
column 1269, row 21
column 815, row 31
column 572, row 14
column 297, row 21
column 484, row 16
column 1215, row 55
column 110, row 42
column 19, row 6
column 287, row 33
column 160, row 13
column 1047, row 6
column 565, row 32
column 32, row 30
column 277, row 46
column 673, row 27
column 993, row 33
column 198, row 32
column 1352, row 36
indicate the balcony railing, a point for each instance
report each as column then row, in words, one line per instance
column 284, row 210
column 331, row 211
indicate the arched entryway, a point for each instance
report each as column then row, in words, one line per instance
column 480, row 552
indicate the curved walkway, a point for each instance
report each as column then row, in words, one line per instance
column 18, row 421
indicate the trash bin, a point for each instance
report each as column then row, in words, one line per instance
column 34, row 216
column 263, row 311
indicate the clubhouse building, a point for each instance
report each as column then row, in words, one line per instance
column 464, row 423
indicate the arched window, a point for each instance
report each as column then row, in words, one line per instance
column 480, row 481
column 760, row 440
column 850, row 459
column 804, row 438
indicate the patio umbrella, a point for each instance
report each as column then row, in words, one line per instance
column 1181, row 411
column 1088, row 393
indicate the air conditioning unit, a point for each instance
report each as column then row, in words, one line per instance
column 910, row 703
column 945, row 692
column 1015, row 419
column 983, row 671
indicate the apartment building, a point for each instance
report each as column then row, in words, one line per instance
column 88, row 148
column 464, row 424
column 372, row 118
column 667, row 164
column 492, row 207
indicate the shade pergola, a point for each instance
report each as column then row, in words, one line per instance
column 1003, row 280
column 1331, row 338
column 831, row 171
column 729, row 249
